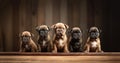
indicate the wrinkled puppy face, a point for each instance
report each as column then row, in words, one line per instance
column 43, row 30
column 60, row 29
column 26, row 36
column 94, row 32
column 76, row 33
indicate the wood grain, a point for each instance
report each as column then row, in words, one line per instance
column 17, row 57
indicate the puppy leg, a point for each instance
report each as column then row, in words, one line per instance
column 54, row 48
column 99, row 49
column 80, row 49
column 87, row 48
column 39, row 48
column 70, row 48
column 49, row 47
column 66, row 49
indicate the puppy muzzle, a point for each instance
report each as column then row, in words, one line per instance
column 94, row 34
column 76, row 35
column 43, row 33
column 25, row 39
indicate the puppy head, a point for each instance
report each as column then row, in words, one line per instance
column 76, row 33
column 26, row 36
column 94, row 32
column 43, row 30
column 60, row 28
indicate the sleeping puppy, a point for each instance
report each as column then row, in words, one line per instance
column 93, row 41
column 75, row 43
column 44, row 43
column 60, row 39
column 26, row 42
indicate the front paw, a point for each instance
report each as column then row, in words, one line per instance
column 86, row 51
column 101, row 51
column 66, row 51
column 54, row 51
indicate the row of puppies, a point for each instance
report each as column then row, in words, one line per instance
column 60, row 41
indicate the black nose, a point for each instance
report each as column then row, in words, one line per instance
column 59, row 31
column 77, row 44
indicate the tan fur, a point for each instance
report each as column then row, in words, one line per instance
column 93, row 43
column 62, row 40
column 31, row 43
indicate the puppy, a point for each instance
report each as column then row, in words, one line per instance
column 93, row 41
column 26, row 42
column 75, row 43
column 44, row 43
column 60, row 39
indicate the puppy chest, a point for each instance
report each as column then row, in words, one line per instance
column 27, row 48
column 60, row 43
column 93, row 44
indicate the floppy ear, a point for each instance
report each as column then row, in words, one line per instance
column 37, row 28
column 66, row 26
column 88, row 30
column 48, row 28
column 100, row 30
column 53, row 26
column 32, row 35
column 69, row 30
column 20, row 35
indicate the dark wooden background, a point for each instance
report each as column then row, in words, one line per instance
column 19, row 15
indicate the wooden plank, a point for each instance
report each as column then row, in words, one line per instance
column 58, row 54
column 16, row 57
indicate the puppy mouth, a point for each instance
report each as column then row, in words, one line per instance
column 43, row 33
column 25, row 39
column 76, row 35
column 59, row 35
column 93, row 35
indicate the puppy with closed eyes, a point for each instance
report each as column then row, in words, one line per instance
column 26, row 42
column 60, row 39
column 75, row 42
column 44, row 42
column 93, row 43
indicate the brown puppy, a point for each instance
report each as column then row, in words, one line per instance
column 44, row 43
column 26, row 42
column 75, row 41
column 93, row 41
column 60, row 38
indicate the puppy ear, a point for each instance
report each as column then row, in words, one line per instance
column 32, row 35
column 37, row 28
column 66, row 26
column 100, row 30
column 48, row 28
column 53, row 26
column 69, row 30
column 88, row 30
column 20, row 34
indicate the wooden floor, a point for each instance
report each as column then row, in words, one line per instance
column 17, row 57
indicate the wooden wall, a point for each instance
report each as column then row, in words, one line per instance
column 19, row 15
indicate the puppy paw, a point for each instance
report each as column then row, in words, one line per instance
column 67, row 51
column 101, row 51
column 54, row 51
column 86, row 52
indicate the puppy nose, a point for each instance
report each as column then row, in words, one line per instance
column 59, row 30
column 77, row 44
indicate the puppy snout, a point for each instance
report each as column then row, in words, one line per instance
column 77, row 44
column 75, row 35
column 42, row 33
column 93, row 34
column 59, row 30
column 25, row 39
